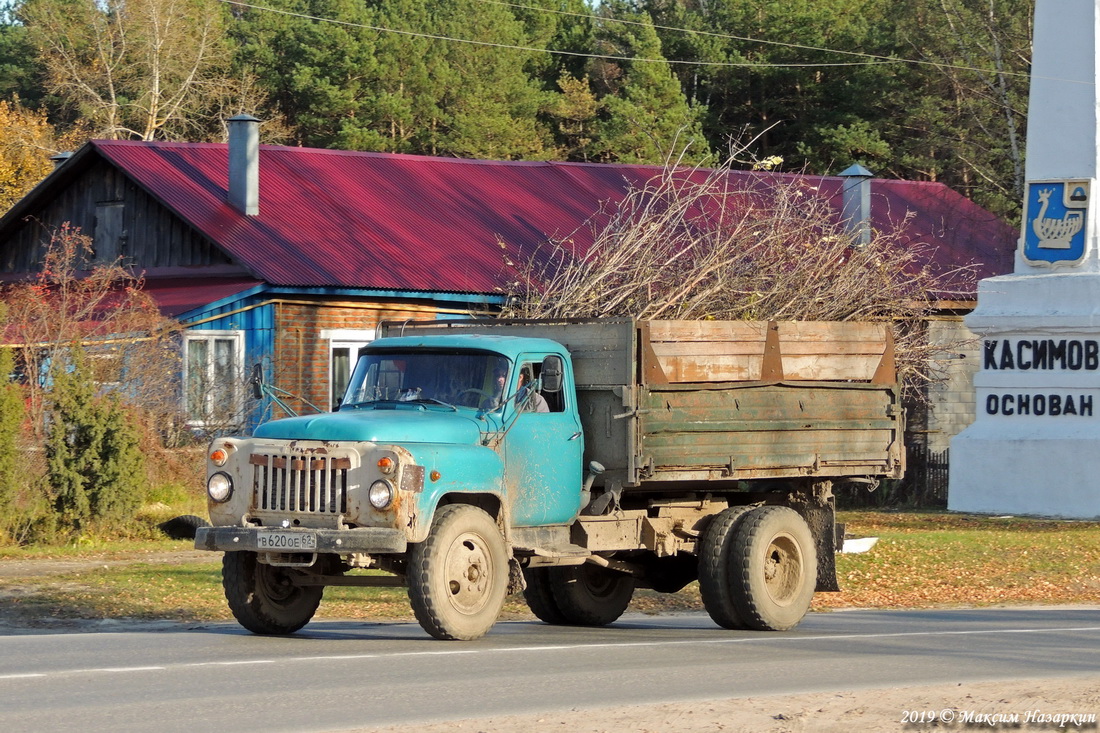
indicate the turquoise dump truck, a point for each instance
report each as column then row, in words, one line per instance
column 571, row 460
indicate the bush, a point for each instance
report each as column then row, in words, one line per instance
column 11, row 423
column 93, row 462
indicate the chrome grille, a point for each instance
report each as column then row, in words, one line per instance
column 300, row 484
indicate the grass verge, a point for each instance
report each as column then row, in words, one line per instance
column 921, row 560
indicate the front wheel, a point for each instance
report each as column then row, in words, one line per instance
column 458, row 577
column 263, row 598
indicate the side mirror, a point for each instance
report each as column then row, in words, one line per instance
column 551, row 376
column 256, row 381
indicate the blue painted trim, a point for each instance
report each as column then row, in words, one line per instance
column 237, row 300
column 405, row 294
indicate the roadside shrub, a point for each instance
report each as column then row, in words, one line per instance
column 30, row 518
column 11, row 423
column 93, row 462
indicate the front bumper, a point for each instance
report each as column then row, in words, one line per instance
column 371, row 540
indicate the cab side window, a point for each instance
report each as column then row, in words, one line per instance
column 540, row 401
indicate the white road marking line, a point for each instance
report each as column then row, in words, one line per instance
column 556, row 648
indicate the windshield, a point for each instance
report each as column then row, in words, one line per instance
column 463, row 379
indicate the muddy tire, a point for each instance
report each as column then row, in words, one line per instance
column 540, row 596
column 715, row 571
column 774, row 564
column 182, row 527
column 589, row 595
column 262, row 597
column 458, row 577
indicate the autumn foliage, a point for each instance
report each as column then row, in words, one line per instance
column 25, row 150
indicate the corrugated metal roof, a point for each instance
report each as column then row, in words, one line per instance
column 384, row 221
column 178, row 295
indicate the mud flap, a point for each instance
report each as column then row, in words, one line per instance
column 516, row 581
column 818, row 508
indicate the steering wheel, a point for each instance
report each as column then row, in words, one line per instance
column 484, row 396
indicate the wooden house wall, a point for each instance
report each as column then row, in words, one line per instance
column 148, row 234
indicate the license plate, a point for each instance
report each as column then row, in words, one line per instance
column 286, row 541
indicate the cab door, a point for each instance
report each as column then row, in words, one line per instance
column 543, row 452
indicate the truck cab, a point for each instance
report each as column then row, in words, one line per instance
column 422, row 419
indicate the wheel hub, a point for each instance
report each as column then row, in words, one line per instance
column 783, row 569
column 469, row 572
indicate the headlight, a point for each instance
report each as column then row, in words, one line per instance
column 380, row 494
column 219, row 487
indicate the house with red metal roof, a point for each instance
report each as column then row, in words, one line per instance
column 291, row 257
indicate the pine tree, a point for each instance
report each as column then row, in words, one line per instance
column 318, row 74
column 645, row 116
column 817, row 110
column 19, row 69
column 491, row 105
column 573, row 115
column 350, row 86
column 93, row 462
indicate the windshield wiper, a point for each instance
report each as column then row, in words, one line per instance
column 434, row 401
column 364, row 402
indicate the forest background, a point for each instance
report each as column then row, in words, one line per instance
column 931, row 90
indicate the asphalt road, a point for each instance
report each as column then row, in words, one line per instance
column 340, row 675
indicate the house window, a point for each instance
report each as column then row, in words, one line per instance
column 213, row 377
column 344, row 345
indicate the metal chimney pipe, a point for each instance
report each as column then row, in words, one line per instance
column 856, row 206
column 59, row 159
column 244, row 164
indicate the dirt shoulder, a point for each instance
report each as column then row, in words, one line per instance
column 966, row 706
column 52, row 566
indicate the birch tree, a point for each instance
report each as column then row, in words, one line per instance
column 135, row 69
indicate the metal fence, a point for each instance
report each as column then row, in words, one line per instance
column 923, row 487
column 925, row 483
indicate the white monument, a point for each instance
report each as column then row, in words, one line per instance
column 1035, row 445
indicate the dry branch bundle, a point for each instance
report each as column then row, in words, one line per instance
column 707, row 244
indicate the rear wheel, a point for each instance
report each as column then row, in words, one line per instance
column 590, row 595
column 458, row 577
column 540, row 596
column 715, row 571
column 774, row 568
column 263, row 598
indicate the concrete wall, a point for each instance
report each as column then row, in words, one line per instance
column 952, row 401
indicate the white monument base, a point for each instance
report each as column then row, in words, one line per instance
column 1034, row 448
column 989, row 477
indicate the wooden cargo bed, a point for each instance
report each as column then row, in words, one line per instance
column 726, row 401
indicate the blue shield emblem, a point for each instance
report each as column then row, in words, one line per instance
column 1055, row 221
